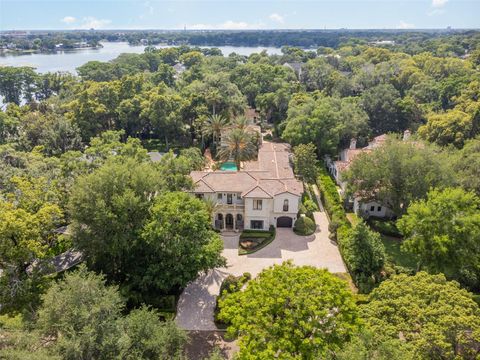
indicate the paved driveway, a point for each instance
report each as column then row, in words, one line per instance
column 197, row 302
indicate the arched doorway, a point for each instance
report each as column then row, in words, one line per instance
column 284, row 221
column 229, row 221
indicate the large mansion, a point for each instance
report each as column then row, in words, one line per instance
column 264, row 193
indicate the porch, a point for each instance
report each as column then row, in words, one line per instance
column 229, row 221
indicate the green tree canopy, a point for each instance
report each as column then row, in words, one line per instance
column 438, row 318
column 179, row 242
column 305, row 162
column 326, row 122
column 108, row 209
column 291, row 312
column 365, row 254
column 444, row 232
column 83, row 317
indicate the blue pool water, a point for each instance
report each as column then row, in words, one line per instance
column 228, row 166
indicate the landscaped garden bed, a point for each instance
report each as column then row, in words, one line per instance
column 254, row 240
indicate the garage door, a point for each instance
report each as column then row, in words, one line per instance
column 284, row 221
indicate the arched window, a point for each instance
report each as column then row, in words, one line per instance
column 285, row 205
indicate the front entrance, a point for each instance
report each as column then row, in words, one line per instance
column 284, row 221
column 229, row 222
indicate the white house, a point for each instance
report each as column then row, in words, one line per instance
column 296, row 67
column 263, row 194
column 346, row 157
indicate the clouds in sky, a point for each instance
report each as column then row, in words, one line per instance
column 405, row 25
column 227, row 25
column 91, row 22
column 87, row 22
column 68, row 20
column 437, row 7
column 277, row 18
column 439, row 3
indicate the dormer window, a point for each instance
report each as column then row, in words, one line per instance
column 285, row 205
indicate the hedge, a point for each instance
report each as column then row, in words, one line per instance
column 385, row 227
column 332, row 203
column 339, row 226
column 304, row 226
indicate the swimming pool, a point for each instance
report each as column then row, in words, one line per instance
column 228, row 166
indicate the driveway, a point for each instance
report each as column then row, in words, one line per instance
column 197, row 302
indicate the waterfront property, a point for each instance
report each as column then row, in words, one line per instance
column 264, row 193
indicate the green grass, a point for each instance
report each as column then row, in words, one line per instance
column 353, row 218
column 395, row 255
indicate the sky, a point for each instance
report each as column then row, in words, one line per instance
column 238, row 14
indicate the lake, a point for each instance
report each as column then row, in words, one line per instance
column 70, row 60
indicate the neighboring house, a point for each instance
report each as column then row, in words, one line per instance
column 296, row 67
column 155, row 156
column 346, row 157
column 266, row 193
column 252, row 115
column 179, row 69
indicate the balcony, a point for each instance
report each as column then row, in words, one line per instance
column 234, row 206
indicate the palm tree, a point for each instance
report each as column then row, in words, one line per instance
column 239, row 147
column 214, row 126
column 211, row 205
column 241, row 122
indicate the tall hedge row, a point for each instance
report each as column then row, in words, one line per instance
column 339, row 227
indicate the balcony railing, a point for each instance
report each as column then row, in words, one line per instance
column 234, row 206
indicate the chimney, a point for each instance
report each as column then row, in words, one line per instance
column 406, row 135
column 353, row 143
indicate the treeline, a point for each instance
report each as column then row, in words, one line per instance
column 439, row 42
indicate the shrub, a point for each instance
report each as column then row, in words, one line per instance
column 310, row 208
column 384, row 227
column 230, row 285
column 304, row 226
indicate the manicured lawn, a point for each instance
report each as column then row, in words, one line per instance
column 395, row 255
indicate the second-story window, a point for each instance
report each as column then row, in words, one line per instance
column 229, row 199
column 257, row 204
column 285, row 205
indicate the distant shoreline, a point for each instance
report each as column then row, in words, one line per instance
column 15, row 52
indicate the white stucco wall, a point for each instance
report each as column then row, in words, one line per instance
column 264, row 214
column 360, row 207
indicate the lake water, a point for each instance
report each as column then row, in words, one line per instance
column 70, row 60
